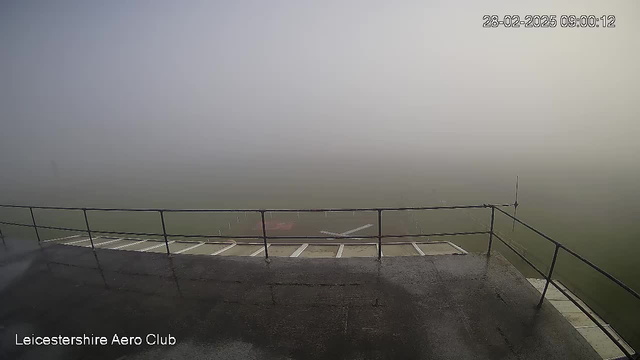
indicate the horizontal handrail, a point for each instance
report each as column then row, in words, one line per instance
column 264, row 236
column 549, row 277
column 592, row 318
column 520, row 255
column 578, row 256
column 528, row 226
column 442, row 207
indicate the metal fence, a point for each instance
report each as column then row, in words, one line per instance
column 549, row 280
column 265, row 238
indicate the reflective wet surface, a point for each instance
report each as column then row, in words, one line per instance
column 420, row 307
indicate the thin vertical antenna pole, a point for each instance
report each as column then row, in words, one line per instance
column 517, row 181
column 493, row 214
column 86, row 221
column 164, row 232
column 379, row 234
column 553, row 264
column 33, row 218
column 264, row 236
column 515, row 206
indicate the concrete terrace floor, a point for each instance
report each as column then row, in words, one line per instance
column 424, row 307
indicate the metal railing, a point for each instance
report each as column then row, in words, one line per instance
column 265, row 238
column 549, row 275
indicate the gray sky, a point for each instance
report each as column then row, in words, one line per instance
column 123, row 83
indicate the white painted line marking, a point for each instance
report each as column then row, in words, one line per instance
column 357, row 229
column 260, row 250
column 457, row 247
column 223, row 249
column 124, row 246
column 417, row 248
column 62, row 238
column 330, row 233
column 106, row 242
column 340, row 250
column 189, row 248
column 156, row 246
column 299, row 250
column 78, row 241
column 339, row 235
column 346, row 233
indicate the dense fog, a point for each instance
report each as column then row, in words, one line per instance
column 319, row 99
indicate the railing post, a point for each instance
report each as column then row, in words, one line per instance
column 553, row 264
column 86, row 221
column 493, row 214
column 164, row 232
column 264, row 236
column 379, row 234
column 33, row 218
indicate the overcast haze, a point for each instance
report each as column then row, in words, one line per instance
column 152, row 87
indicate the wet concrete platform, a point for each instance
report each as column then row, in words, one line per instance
column 399, row 250
column 413, row 307
column 282, row 250
column 320, row 251
column 360, row 251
